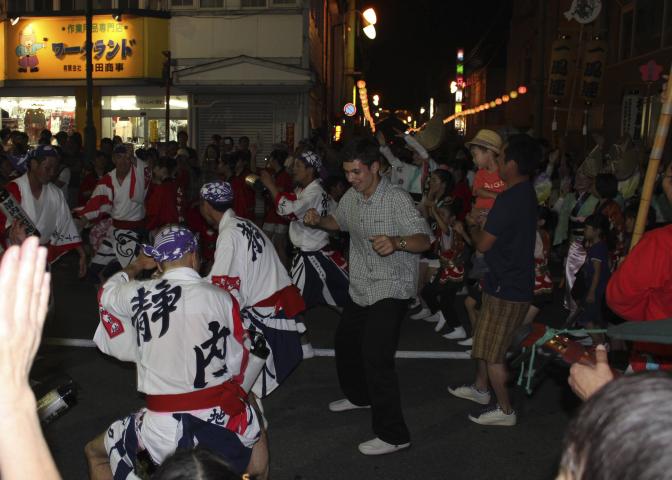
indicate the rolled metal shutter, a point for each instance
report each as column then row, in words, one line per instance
column 235, row 116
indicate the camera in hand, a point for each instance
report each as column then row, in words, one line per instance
column 254, row 181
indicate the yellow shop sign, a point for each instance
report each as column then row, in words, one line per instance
column 44, row 48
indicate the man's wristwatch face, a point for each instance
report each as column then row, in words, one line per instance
column 402, row 244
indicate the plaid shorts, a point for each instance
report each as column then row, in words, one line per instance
column 497, row 322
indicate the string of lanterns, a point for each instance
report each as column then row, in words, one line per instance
column 512, row 95
column 364, row 100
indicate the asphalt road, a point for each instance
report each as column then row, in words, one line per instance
column 306, row 440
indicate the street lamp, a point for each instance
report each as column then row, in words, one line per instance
column 370, row 19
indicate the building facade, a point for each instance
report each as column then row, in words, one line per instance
column 608, row 77
column 261, row 68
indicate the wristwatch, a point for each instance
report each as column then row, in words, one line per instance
column 402, row 243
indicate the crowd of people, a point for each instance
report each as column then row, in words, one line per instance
column 206, row 265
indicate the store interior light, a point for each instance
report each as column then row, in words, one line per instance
column 14, row 20
column 370, row 31
column 117, row 16
column 422, row 110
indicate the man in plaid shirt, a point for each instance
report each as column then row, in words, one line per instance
column 386, row 234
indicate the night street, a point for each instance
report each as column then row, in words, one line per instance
column 434, row 238
column 308, row 441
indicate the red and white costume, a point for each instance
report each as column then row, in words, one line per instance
column 124, row 202
column 186, row 339
column 247, row 266
column 50, row 214
column 320, row 272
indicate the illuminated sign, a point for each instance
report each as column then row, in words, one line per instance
column 44, row 48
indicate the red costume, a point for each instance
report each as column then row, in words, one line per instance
column 161, row 206
column 243, row 196
column 641, row 290
column 284, row 183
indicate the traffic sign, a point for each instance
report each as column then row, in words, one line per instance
column 350, row 109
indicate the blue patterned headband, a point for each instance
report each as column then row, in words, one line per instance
column 311, row 159
column 217, row 192
column 171, row 243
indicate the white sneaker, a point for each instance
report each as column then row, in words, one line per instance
column 380, row 447
column 494, row 416
column 308, row 351
column 441, row 323
column 470, row 392
column 433, row 318
column 343, row 405
column 467, row 342
column 424, row 313
column 456, row 334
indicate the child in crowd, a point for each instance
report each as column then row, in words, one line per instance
column 543, row 285
column 165, row 202
column 485, row 147
column 439, row 295
column 593, row 277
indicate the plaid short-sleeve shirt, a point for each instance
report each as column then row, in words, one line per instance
column 389, row 211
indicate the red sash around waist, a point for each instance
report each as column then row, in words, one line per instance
column 288, row 299
column 228, row 396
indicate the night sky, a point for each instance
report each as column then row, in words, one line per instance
column 413, row 55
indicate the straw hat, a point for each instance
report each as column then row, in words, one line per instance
column 593, row 164
column 624, row 161
column 487, row 139
column 431, row 135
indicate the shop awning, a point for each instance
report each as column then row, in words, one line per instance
column 243, row 73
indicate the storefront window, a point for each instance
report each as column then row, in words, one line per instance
column 34, row 114
column 140, row 120
column 139, row 102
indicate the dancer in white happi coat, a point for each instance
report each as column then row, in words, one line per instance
column 247, row 265
column 46, row 207
column 120, row 194
column 319, row 271
column 191, row 350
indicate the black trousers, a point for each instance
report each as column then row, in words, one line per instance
column 366, row 341
column 442, row 297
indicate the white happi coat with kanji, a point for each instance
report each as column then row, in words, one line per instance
column 184, row 334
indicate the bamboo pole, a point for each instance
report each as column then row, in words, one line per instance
column 654, row 162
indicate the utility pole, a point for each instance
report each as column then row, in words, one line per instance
column 541, row 58
column 349, row 80
column 168, row 79
column 89, row 129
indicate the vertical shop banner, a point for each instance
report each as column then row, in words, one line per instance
column 563, row 58
column 44, row 48
column 594, row 61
